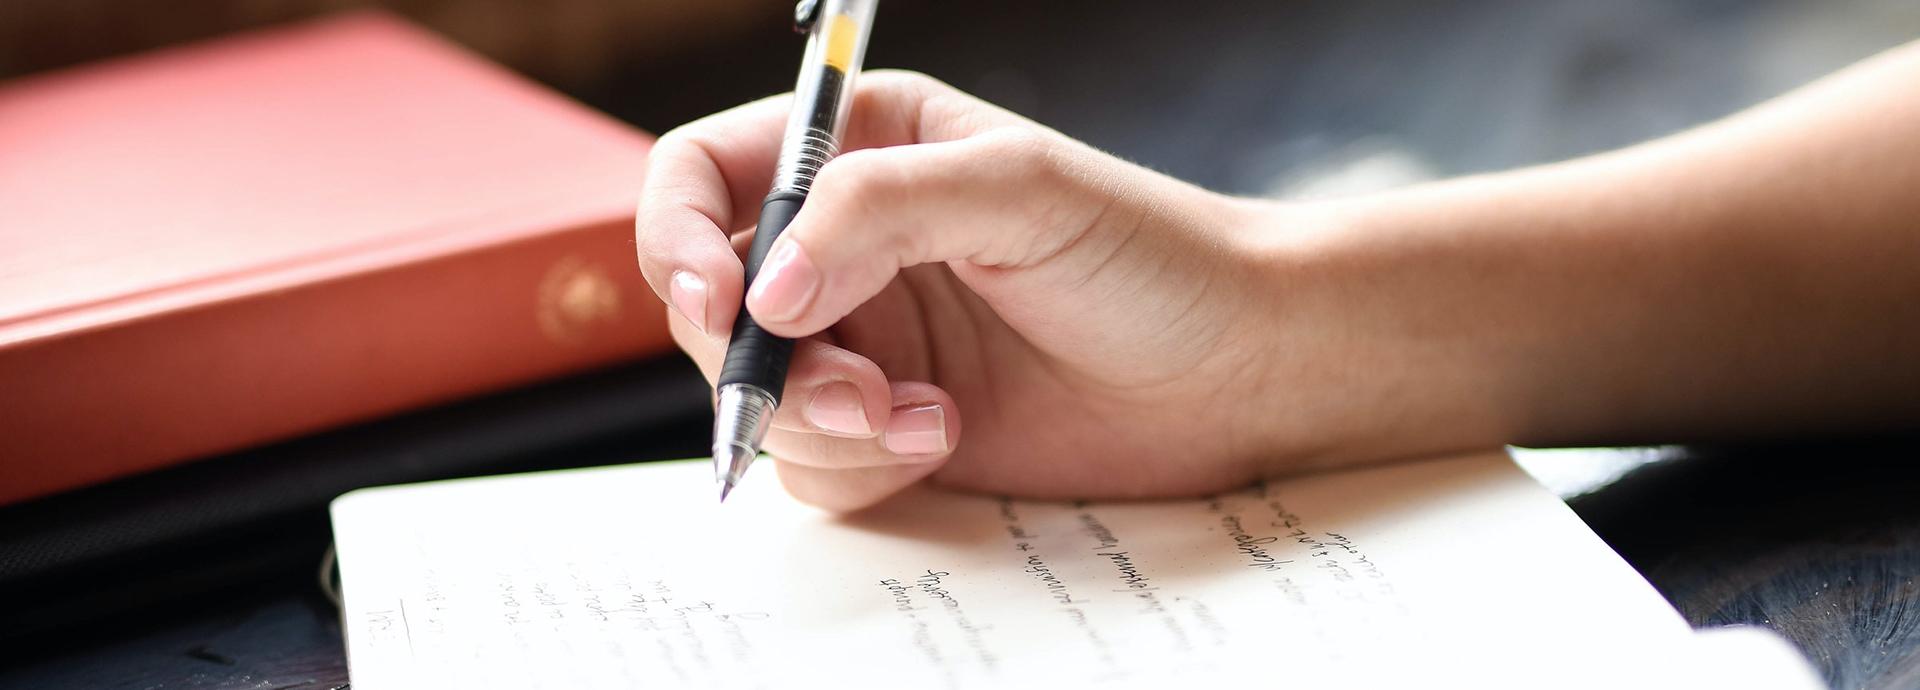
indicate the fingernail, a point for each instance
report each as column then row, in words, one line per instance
column 917, row 430
column 689, row 295
column 785, row 285
column 836, row 407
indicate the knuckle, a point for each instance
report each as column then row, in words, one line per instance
column 690, row 140
column 905, row 80
column 1027, row 159
column 858, row 174
column 1022, row 149
column 674, row 141
column 841, row 364
column 868, row 183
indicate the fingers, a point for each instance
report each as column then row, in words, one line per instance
column 848, row 474
column 851, row 489
column 829, row 390
column 707, row 178
column 921, row 425
column 702, row 180
column 1005, row 198
column 705, row 181
column 916, row 434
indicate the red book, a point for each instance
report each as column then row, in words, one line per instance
column 226, row 244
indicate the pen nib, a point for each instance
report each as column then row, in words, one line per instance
column 730, row 465
column 740, row 420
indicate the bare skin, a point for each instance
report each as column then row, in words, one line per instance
column 1106, row 331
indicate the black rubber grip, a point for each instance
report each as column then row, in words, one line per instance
column 756, row 357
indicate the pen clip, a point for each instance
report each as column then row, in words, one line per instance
column 805, row 14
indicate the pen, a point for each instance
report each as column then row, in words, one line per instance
column 755, row 370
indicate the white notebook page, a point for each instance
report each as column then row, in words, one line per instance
column 1455, row 570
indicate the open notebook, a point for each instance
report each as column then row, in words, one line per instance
column 1460, row 572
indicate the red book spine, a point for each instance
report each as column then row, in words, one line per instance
column 83, row 406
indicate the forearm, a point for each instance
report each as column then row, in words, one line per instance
column 1758, row 275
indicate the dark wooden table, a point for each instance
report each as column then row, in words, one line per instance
column 1819, row 539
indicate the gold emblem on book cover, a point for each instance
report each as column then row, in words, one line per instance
column 576, row 297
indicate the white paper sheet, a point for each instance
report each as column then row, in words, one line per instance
column 1433, row 573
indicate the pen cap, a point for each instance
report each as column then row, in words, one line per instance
column 836, row 47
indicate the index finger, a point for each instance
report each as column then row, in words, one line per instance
column 702, row 180
column 706, row 179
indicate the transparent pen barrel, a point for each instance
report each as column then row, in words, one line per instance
column 800, row 160
column 823, row 95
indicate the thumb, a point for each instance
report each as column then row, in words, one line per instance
column 1005, row 198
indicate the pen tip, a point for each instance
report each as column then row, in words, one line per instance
column 725, row 488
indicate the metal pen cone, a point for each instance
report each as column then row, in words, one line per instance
column 730, row 462
column 741, row 419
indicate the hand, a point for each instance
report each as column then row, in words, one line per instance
column 1105, row 331
column 1096, row 329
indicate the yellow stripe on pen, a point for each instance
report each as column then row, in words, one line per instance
column 840, row 37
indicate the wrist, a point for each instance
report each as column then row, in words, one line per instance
column 1375, row 341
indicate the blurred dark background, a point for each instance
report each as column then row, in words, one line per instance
column 205, row 576
column 1255, row 97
